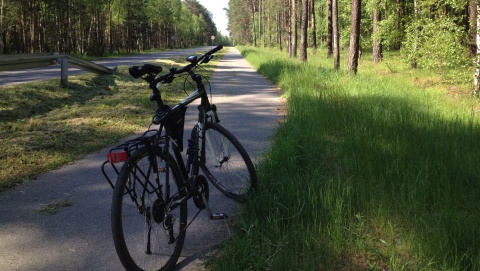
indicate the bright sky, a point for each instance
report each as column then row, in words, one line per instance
column 219, row 15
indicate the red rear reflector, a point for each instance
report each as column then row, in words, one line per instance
column 117, row 157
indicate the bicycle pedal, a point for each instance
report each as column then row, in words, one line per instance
column 219, row 216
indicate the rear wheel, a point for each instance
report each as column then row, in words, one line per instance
column 148, row 236
column 227, row 164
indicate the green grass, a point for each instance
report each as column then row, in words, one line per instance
column 377, row 171
column 44, row 126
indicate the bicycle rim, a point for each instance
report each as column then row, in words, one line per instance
column 146, row 236
column 227, row 164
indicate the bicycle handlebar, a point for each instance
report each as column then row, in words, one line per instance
column 194, row 61
column 148, row 72
column 151, row 71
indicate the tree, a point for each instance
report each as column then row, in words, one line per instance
column 314, row 25
column 330, row 28
column 278, row 27
column 353, row 53
column 335, row 36
column 437, row 41
column 293, row 46
column 239, row 21
column 476, row 77
column 472, row 29
column 2, row 35
column 304, row 37
column 377, row 53
column 288, row 26
column 416, row 8
column 252, row 4
column 209, row 29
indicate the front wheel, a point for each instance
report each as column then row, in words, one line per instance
column 147, row 234
column 227, row 164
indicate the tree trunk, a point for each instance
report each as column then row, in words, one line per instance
column 32, row 8
column 416, row 9
column 330, row 28
column 269, row 28
column 377, row 43
column 23, row 25
column 472, row 31
column 260, row 18
column 253, row 23
column 293, row 51
column 110, row 30
column 279, row 32
column 68, row 30
column 288, row 28
column 399, row 22
column 304, row 37
column 2, row 43
column 314, row 25
column 354, row 37
column 476, row 77
column 335, row 36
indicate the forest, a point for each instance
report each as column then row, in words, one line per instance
column 98, row 27
column 429, row 34
column 371, row 168
column 375, row 165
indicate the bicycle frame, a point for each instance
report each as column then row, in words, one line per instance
column 190, row 170
column 196, row 149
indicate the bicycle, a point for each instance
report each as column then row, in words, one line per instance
column 149, row 203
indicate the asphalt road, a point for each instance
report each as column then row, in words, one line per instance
column 78, row 237
column 53, row 71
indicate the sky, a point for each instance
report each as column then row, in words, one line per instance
column 219, row 15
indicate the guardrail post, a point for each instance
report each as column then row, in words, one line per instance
column 64, row 71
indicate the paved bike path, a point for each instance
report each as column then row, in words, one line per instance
column 78, row 237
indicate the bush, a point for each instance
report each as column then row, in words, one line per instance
column 436, row 44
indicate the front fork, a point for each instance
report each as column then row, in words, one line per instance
column 198, row 154
column 222, row 155
column 197, row 145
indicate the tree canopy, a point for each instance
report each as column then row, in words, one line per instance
column 95, row 27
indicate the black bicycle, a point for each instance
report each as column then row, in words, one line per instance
column 149, row 204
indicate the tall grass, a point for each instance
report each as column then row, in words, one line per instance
column 377, row 171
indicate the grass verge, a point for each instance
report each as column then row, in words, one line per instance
column 44, row 126
column 377, row 171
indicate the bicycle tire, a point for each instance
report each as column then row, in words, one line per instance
column 137, row 246
column 235, row 175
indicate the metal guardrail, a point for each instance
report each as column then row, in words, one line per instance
column 26, row 61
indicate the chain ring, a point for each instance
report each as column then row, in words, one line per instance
column 200, row 186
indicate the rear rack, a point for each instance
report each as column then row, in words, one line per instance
column 119, row 154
